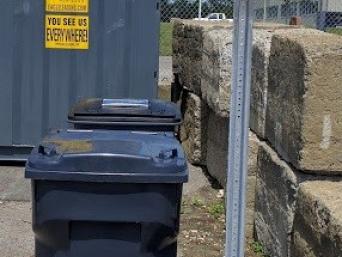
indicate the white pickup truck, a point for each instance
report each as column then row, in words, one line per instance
column 214, row 17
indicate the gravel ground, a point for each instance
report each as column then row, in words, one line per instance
column 203, row 225
column 16, row 237
column 202, row 219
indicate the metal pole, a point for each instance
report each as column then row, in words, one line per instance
column 199, row 9
column 265, row 10
column 239, row 128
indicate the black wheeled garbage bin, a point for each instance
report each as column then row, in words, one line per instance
column 100, row 193
column 119, row 114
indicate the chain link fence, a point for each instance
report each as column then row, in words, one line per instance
column 185, row 9
column 320, row 14
column 324, row 15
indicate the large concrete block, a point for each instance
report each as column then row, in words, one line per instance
column 304, row 112
column 217, row 154
column 217, row 70
column 318, row 220
column 193, row 131
column 276, row 194
column 217, row 146
column 177, row 34
column 259, row 86
column 188, row 49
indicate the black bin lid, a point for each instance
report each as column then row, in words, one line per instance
column 108, row 156
column 125, row 112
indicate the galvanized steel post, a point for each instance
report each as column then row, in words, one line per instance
column 239, row 128
column 199, row 9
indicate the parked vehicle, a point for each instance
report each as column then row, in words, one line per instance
column 214, row 17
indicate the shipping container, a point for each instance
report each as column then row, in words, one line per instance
column 55, row 52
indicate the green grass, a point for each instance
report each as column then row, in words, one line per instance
column 165, row 39
column 337, row 31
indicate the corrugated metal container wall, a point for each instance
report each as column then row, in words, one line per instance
column 38, row 85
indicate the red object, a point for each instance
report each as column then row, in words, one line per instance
column 296, row 20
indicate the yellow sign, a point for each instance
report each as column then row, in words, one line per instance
column 66, row 32
column 70, row 6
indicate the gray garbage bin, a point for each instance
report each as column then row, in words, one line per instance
column 119, row 114
column 100, row 193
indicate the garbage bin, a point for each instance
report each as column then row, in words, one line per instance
column 107, row 193
column 131, row 114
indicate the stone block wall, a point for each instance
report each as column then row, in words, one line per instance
column 302, row 129
column 295, row 128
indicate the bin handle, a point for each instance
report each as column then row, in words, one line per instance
column 168, row 154
column 125, row 103
column 46, row 150
column 109, row 155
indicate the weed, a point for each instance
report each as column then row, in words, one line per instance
column 217, row 209
column 258, row 248
column 197, row 203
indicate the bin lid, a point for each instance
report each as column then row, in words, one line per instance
column 125, row 112
column 108, row 156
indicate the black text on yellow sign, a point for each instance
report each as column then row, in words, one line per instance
column 66, row 32
column 70, row 6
